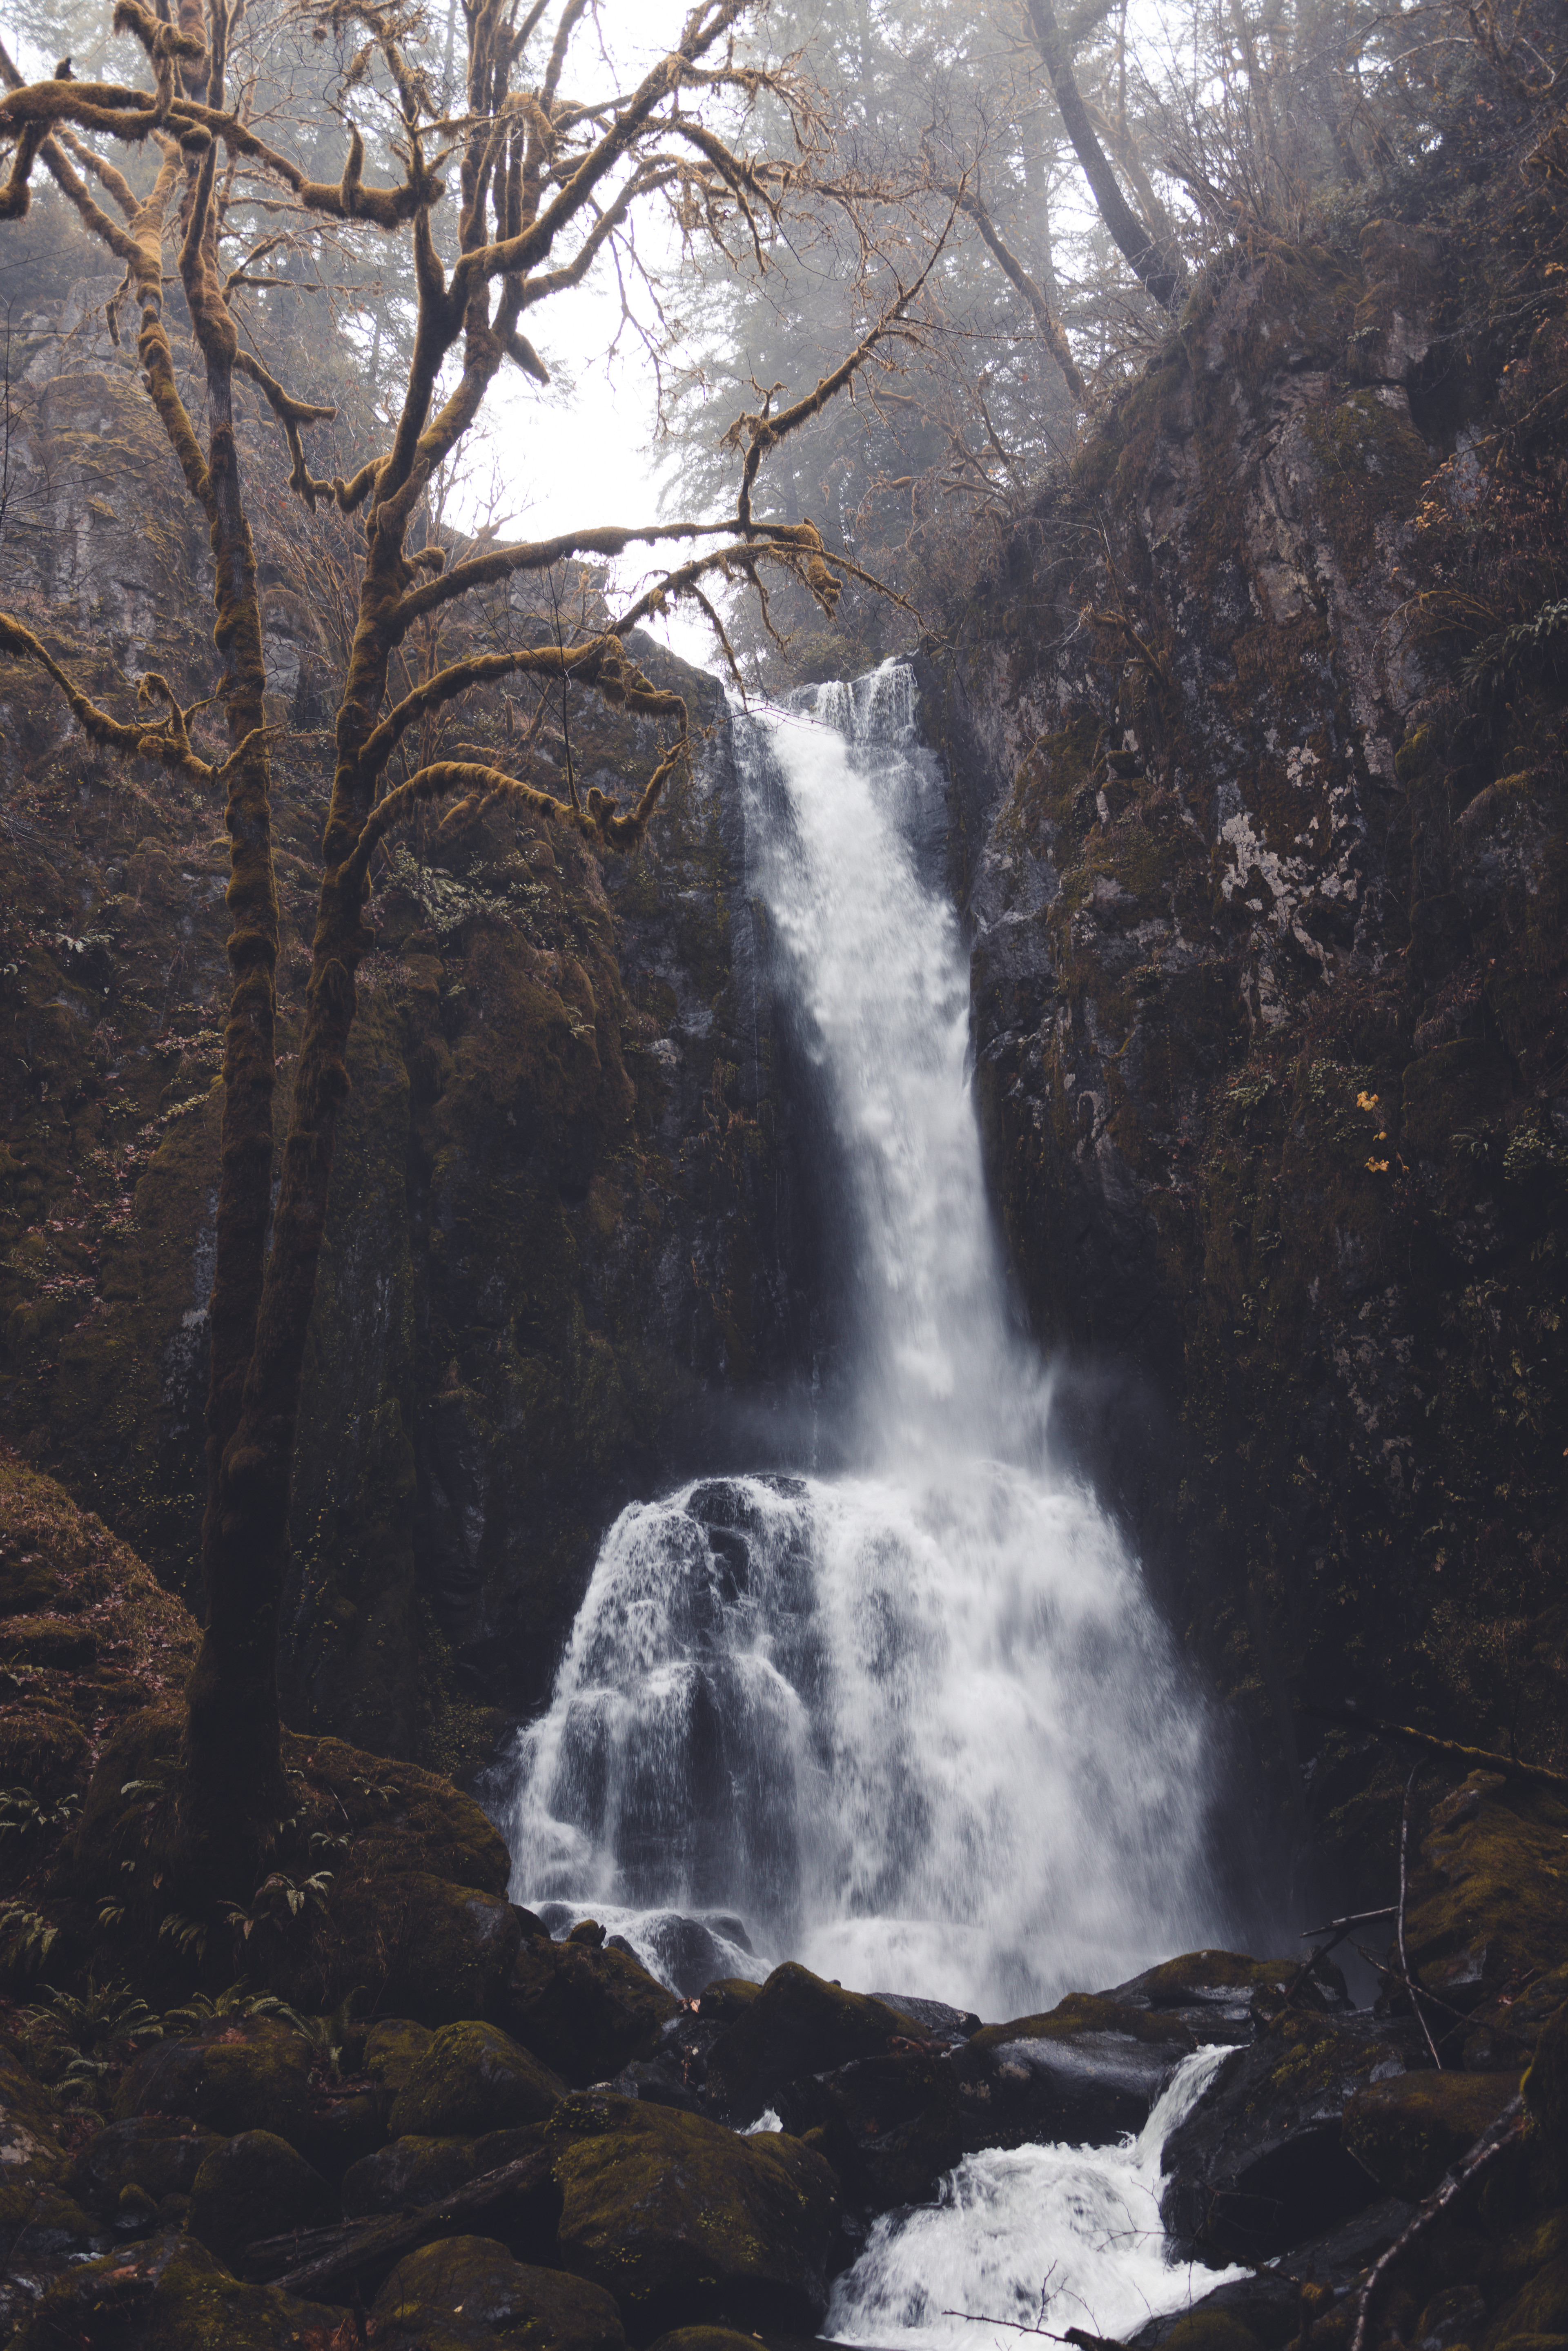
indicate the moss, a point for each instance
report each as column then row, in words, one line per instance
column 1408, row 2132
column 1084, row 2013
column 686, row 2222
column 172, row 2293
column 469, row 2286
column 472, row 2079
column 1210, row 2330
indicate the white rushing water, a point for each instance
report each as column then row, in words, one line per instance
column 916, row 1724
column 1048, row 2236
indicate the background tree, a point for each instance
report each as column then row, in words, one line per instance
column 548, row 185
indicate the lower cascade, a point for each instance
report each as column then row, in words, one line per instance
column 916, row 1723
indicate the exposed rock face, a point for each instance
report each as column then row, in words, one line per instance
column 1268, row 986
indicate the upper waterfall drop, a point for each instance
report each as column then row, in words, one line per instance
column 917, row 1723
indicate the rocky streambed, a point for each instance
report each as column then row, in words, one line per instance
column 438, row 2124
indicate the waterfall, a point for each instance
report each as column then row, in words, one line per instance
column 916, row 1723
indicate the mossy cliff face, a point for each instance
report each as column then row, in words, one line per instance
column 1268, row 975
column 555, row 1213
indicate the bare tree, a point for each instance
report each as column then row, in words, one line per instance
column 547, row 184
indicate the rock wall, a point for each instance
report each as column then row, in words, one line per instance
column 1267, row 899
column 563, row 1195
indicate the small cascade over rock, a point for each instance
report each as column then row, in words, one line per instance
column 915, row 1723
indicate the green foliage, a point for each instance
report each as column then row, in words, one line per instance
column 27, row 1939
column 1532, row 653
column 25, row 1814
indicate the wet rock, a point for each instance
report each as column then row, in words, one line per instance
column 470, row 2079
column 1260, row 2164
column 1224, row 1996
column 1087, row 2071
column 467, row 2290
column 798, row 2026
column 585, row 2013
column 255, row 2185
column 161, row 2153
column 688, row 2223
column 689, row 1953
column 932, row 2017
column 235, row 2075
column 1408, row 2131
column 169, row 2293
column 890, row 2125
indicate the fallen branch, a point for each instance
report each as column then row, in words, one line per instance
column 1491, row 2145
column 361, row 2245
column 1474, row 1759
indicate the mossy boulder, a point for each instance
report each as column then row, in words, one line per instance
column 242, row 2074
column 406, row 2173
column 252, row 2186
column 1085, row 2070
column 394, row 2047
column 1539, row 2307
column 688, row 2224
column 427, row 1947
column 470, row 2079
column 1487, row 1908
column 703, row 2338
column 43, row 1749
column 798, row 2026
column 160, row 2154
column 470, row 2290
column 1225, row 1995
column 169, row 2293
column 1408, row 2131
column 585, row 2013
column 1260, row 2164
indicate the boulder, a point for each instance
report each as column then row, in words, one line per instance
column 236, row 2073
column 1085, row 2071
column 890, row 2125
column 932, row 2016
column 423, row 1947
column 407, row 2173
column 169, row 2293
column 1409, row 2130
column 584, row 2012
column 465, row 2290
column 160, row 2154
column 798, row 2026
column 1260, row 2164
column 394, row 2047
column 1226, row 1996
column 688, row 2224
column 255, row 2185
column 705, row 2338
column 470, row 2079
